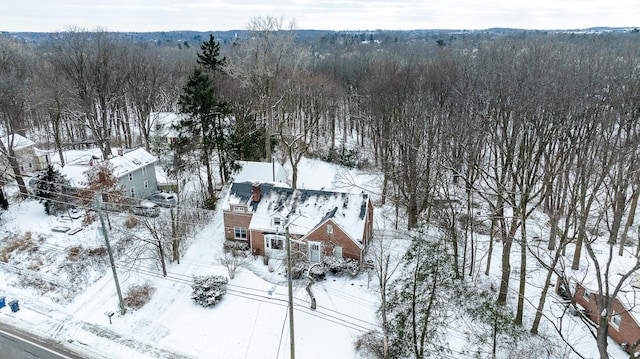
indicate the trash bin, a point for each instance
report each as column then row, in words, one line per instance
column 2, row 304
column 14, row 306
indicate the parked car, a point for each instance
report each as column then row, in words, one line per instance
column 164, row 199
column 147, row 209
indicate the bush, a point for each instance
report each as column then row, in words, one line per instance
column 130, row 222
column 235, row 247
column 73, row 252
column 208, row 290
column 337, row 266
column 138, row 295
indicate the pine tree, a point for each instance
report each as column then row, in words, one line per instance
column 52, row 190
column 207, row 117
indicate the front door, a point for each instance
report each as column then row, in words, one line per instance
column 314, row 251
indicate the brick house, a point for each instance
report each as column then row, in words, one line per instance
column 321, row 223
column 624, row 328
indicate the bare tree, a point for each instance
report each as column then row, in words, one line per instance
column 259, row 63
column 16, row 65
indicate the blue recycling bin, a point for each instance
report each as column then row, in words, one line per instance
column 14, row 306
column 2, row 304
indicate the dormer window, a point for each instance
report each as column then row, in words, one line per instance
column 276, row 221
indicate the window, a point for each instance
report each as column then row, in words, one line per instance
column 30, row 165
column 238, row 209
column 337, row 251
column 276, row 221
column 329, row 228
column 586, row 294
column 144, row 170
column 275, row 243
column 615, row 320
column 132, row 191
column 146, row 184
column 130, row 176
column 239, row 233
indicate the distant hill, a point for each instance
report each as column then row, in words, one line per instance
column 194, row 38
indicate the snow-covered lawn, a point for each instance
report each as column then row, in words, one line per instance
column 249, row 322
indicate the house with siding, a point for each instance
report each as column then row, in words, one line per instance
column 320, row 223
column 30, row 159
column 134, row 169
column 163, row 135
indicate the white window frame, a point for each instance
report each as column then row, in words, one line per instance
column 278, row 240
column 337, row 251
column 144, row 170
column 239, row 209
column 238, row 233
column 146, row 184
column 616, row 319
column 329, row 228
column 276, row 221
column 586, row 294
column 130, row 176
column 132, row 192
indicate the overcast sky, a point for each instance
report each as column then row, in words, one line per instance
column 210, row 15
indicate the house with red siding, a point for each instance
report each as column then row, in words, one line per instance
column 320, row 223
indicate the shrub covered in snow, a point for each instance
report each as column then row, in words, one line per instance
column 235, row 247
column 208, row 290
column 338, row 266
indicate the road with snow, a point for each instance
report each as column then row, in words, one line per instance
column 18, row 345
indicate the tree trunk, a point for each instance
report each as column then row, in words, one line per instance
column 523, row 274
column 602, row 336
column 630, row 218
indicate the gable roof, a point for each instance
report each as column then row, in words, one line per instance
column 306, row 208
column 163, row 122
column 19, row 141
column 122, row 165
column 131, row 161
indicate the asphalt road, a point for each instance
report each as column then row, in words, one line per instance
column 15, row 344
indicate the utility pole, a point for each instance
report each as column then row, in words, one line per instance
column 106, row 239
column 288, row 248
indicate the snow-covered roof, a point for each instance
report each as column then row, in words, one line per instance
column 122, row 165
column 260, row 172
column 131, row 161
column 166, row 120
column 19, row 142
column 306, row 208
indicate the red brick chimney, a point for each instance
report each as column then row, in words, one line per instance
column 255, row 192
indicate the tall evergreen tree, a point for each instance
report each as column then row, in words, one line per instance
column 207, row 117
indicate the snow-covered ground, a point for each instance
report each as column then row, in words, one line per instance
column 248, row 323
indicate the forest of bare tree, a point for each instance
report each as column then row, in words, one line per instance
column 516, row 122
